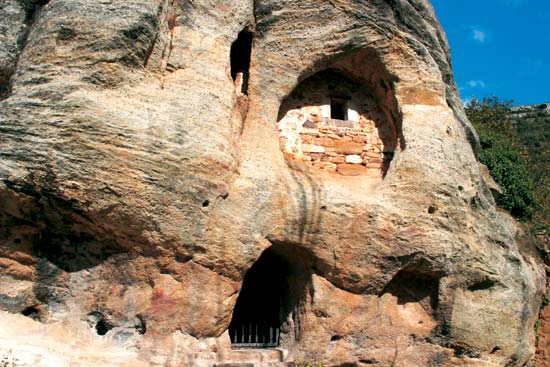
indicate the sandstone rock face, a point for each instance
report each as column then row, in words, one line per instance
column 139, row 185
column 543, row 333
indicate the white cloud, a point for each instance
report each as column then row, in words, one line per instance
column 479, row 35
column 473, row 84
column 476, row 84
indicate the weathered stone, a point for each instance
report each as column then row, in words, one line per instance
column 339, row 159
column 495, row 188
column 374, row 154
column 325, row 142
column 309, row 124
column 312, row 148
column 348, row 147
column 359, row 139
column 373, row 172
column 374, row 164
column 308, row 139
column 543, row 337
column 316, row 156
column 288, row 156
column 138, row 190
column 351, row 169
column 354, row 159
column 326, row 166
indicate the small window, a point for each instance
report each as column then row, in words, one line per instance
column 241, row 51
column 338, row 109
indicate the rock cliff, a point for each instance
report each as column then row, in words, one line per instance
column 149, row 215
column 532, row 125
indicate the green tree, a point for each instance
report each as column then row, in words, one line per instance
column 492, row 114
column 503, row 154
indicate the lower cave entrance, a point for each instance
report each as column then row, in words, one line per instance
column 265, row 301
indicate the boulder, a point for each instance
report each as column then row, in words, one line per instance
column 142, row 199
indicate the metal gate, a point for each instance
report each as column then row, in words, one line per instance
column 254, row 336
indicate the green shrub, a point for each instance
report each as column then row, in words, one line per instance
column 503, row 154
column 510, row 170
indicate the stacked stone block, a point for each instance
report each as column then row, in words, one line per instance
column 363, row 144
column 352, row 148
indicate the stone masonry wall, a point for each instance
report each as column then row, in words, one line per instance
column 363, row 144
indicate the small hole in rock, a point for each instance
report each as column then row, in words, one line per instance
column 102, row 326
column 17, row 240
column 495, row 349
column 31, row 312
column 335, row 338
column 368, row 361
column 141, row 327
column 205, row 203
column 482, row 285
column 432, row 209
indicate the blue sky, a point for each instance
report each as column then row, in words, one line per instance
column 499, row 47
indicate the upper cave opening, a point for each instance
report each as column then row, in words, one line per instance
column 273, row 292
column 241, row 51
column 337, row 123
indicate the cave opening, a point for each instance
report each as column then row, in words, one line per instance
column 272, row 294
column 338, row 122
column 241, row 51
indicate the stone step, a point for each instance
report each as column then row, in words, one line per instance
column 255, row 364
column 254, row 356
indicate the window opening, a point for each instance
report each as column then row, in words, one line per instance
column 240, row 61
column 338, row 109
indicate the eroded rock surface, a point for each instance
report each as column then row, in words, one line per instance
column 139, row 184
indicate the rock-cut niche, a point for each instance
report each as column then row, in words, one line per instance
column 271, row 300
column 336, row 124
column 241, row 51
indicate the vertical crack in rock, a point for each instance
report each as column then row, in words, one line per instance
column 19, row 19
column 240, row 54
column 5, row 75
column 139, row 40
column 171, row 22
column 240, row 63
